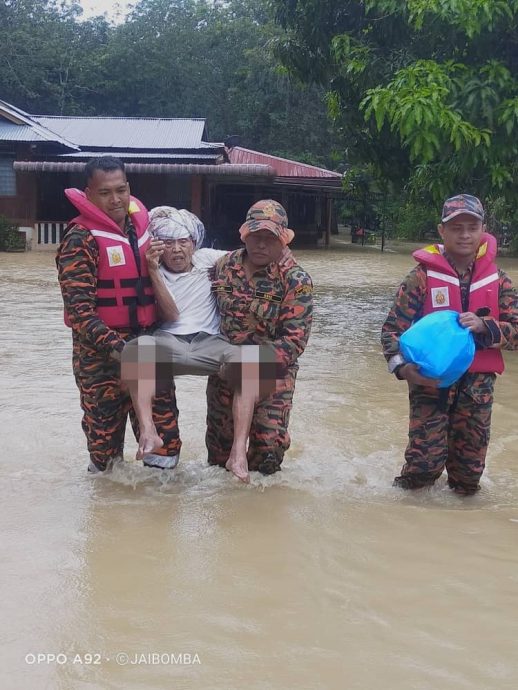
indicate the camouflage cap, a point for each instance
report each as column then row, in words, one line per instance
column 462, row 203
column 267, row 214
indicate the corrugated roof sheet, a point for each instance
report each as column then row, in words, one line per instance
column 11, row 132
column 283, row 167
column 222, row 170
column 129, row 132
column 143, row 155
column 10, row 114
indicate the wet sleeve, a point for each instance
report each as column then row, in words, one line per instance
column 77, row 273
column 295, row 318
column 407, row 305
column 502, row 333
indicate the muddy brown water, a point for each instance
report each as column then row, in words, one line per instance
column 320, row 577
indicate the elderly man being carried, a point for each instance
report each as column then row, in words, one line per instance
column 189, row 339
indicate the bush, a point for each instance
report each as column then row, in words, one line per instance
column 10, row 238
column 414, row 221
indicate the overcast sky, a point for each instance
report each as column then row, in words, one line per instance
column 93, row 8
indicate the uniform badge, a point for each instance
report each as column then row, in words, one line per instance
column 440, row 297
column 116, row 256
column 303, row 290
column 268, row 296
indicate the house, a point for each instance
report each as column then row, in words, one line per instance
column 168, row 161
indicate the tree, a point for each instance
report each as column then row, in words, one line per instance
column 196, row 58
column 424, row 90
column 170, row 58
column 45, row 62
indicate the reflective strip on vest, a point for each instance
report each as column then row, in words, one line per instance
column 110, row 236
column 493, row 278
column 443, row 276
column 145, row 237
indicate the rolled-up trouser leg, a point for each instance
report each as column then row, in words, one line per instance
column 470, row 422
column 427, row 449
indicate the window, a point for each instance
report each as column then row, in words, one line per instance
column 7, row 177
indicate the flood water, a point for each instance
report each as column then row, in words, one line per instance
column 322, row 577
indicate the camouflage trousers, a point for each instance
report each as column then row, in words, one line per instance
column 449, row 430
column 269, row 437
column 106, row 407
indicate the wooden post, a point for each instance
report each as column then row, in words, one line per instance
column 329, row 220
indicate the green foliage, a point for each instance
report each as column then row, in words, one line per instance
column 471, row 16
column 10, row 238
column 412, row 220
column 502, row 221
column 424, row 91
column 170, row 58
column 417, row 105
column 48, row 60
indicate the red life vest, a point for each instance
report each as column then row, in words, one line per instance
column 443, row 292
column 125, row 297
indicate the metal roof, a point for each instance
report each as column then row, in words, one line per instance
column 129, row 132
column 20, row 118
column 221, row 170
column 283, row 167
column 11, row 132
column 144, row 155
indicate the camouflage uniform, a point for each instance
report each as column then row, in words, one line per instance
column 275, row 307
column 97, row 373
column 448, row 427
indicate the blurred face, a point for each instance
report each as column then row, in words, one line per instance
column 110, row 192
column 177, row 256
column 462, row 235
column 263, row 248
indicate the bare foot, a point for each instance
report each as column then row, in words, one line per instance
column 148, row 442
column 238, row 465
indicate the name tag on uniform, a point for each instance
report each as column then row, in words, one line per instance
column 440, row 297
column 221, row 288
column 267, row 296
column 116, row 256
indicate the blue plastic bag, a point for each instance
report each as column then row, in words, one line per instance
column 440, row 346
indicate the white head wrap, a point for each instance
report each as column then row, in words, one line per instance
column 168, row 223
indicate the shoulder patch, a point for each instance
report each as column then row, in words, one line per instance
column 303, row 290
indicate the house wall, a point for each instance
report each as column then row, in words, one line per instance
column 21, row 208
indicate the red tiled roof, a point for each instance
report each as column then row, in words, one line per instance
column 282, row 166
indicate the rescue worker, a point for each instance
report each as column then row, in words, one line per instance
column 260, row 301
column 449, row 428
column 109, row 299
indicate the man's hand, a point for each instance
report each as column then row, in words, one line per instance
column 153, row 254
column 473, row 322
column 410, row 372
